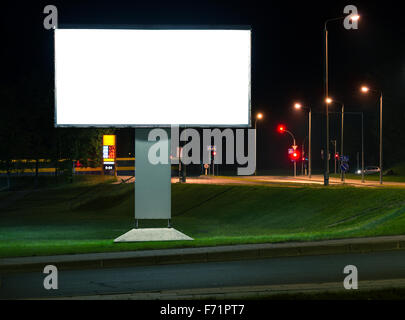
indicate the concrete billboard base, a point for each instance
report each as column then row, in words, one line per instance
column 152, row 234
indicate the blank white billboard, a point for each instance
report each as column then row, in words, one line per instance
column 134, row 77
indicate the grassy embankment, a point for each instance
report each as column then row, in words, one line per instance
column 87, row 215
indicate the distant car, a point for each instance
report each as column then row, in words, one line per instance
column 369, row 170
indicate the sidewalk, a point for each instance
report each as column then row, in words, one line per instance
column 203, row 254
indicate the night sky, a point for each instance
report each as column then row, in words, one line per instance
column 287, row 61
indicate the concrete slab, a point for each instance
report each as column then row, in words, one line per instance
column 152, row 234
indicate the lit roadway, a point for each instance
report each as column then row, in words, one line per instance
column 146, row 279
column 316, row 179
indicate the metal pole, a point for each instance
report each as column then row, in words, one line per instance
column 309, row 146
column 213, row 164
column 362, row 148
column 255, row 147
column 381, row 146
column 335, row 155
column 342, row 174
column 295, row 163
column 302, row 161
column 179, row 165
column 326, row 174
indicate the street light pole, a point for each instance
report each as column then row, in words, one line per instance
column 309, row 144
column 365, row 89
column 381, row 142
column 353, row 18
column 258, row 116
column 255, row 147
column 362, row 147
column 326, row 173
column 299, row 106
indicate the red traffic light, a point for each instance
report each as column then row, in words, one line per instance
column 294, row 156
column 281, row 128
column 337, row 155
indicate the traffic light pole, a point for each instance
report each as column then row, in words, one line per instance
column 381, row 145
column 295, row 164
column 334, row 144
column 294, row 146
column 342, row 173
column 302, row 158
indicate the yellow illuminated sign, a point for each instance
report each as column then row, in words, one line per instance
column 109, row 140
column 109, row 149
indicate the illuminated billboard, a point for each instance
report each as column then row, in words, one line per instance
column 156, row 77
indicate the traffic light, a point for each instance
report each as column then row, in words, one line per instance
column 281, row 128
column 336, row 155
column 295, row 155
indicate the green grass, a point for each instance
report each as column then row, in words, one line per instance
column 87, row 215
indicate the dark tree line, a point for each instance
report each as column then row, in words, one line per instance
column 27, row 129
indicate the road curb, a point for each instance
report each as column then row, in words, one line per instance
column 203, row 254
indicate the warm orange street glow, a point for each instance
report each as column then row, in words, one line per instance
column 355, row 17
column 259, row 116
column 364, row 89
column 297, row 106
column 328, row 100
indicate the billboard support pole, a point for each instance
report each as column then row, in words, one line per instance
column 152, row 188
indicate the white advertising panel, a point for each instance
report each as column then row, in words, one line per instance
column 140, row 78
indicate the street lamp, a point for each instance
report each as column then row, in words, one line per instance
column 365, row 89
column 353, row 18
column 298, row 106
column 282, row 128
column 329, row 101
column 259, row 116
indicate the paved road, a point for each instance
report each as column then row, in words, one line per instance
column 316, row 179
column 275, row 271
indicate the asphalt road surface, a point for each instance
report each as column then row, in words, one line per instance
column 275, row 271
column 316, row 179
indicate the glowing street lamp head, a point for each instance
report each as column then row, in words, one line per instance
column 259, row 116
column 297, row 106
column 355, row 17
column 328, row 100
column 281, row 128
column 365, row 89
